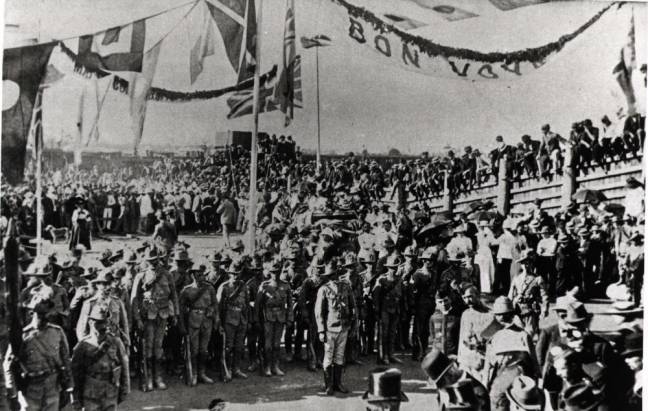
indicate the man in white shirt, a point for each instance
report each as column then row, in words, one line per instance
column 146, row 210
column 546, row 252
column 507, row 242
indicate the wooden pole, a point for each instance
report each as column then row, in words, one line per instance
column 38, row 146
column 252, row 203
column 319, row 149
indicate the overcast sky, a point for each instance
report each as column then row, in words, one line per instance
column 364, row 103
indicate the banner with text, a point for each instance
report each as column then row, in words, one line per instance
column 415, row 53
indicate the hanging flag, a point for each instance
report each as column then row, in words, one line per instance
column 622, row 72
column 319, row 40
column 445, row 10
column 236, row 21
column 402, row 22
column 138, row 90
column 23, row 70
column 36, row 129
column 285, row 89
column 92, row 100
column 117, row 49
column 507, row 5
column 203, row 47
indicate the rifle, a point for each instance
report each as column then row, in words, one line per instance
column 144, row 377
column 188, row 365
column 227, row 374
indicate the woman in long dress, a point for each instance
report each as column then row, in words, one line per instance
column 81, row 221
column 484, row 256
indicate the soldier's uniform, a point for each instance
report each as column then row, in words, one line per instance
column 306, row 303
column 356, row 285
column 335, row 313
column 254, row 335
column 422, row 288
column 155, row 302
column 529, row 296
column 200, row 314
column 367, row 312
column 387, row 298
column 217, row 276
column 405, row 272
column 100, row 368
column 117, row 316
column 41, row 369
column 273, row 307
column 233, row 300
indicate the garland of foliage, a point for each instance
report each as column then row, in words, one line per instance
column 532, row 55
column 160, row 94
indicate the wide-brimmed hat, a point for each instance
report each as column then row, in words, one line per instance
column 388, row 243
column 105, row 276
column 151, row 254
column 367, row 256
column 238, row 245
column 524, row 393
column 427, row 254
column 484, row 223
column 181, row 255
column 582, row 397
column 633, row 345
column 329, row 270
column 563, row 238
column 563, row 302
column 130, row 258
column 435, row 364
column 392, row 261
column 275, row 266
column 623, row 308
column 384, row 385
column 503, row 305
column 39, row 268
column 576, row 313
column 235, row 267
column 41, row 300
column 350, row 260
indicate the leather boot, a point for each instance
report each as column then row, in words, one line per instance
column 149, row 381
column 202, row 372
column 237, row 373
column 254, row 366
column 266, row 369
column 275, row 367
column 159, row 382
column 328, row 380
column 337, row 380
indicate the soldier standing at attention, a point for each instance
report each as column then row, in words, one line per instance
column 41, row 369
column 273, row 306
column 117, row 318
column 528, row 294
column 254, row 332
column 100, row 365
column 335, row 313
column 200, row 314
column 306, row 302
column 155, row 303
column 233, row 299
column 387, row 296
column 422, row 288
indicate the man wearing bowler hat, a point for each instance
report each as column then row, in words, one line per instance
column 384, row 393
column 456, row 387
column 335, row 313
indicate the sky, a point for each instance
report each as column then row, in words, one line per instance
column 364, row 102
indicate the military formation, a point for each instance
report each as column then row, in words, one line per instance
column 338, row 294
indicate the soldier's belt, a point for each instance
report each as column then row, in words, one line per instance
column 37, row 374
column 235, row 308
column 198, row 310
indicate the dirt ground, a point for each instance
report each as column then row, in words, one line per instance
column 299, row 389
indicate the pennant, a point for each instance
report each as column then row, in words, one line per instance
column 448, row 12
column 507, row 5
column 285, row 89
column 23, row 70
column 138, row 91
column 402, row 22
column 116, row 49
column 319, row 40
column 203, row 47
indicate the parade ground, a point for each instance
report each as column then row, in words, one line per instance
column 299, row 389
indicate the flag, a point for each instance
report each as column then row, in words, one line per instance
column 507, row 5
column 92, row 99
column 403, row 23
column 203, row 47
column 622, row 72
column 240, row 102
column 138, row 89
column 236, row 21
column 319, row 40
column 285, row 89
column 117, row 49
column 448, row 12
column 23, row 70
column 36, row 129
column 52, row 76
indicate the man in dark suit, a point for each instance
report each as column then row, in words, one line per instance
column 531, row 150
column 468, row 168
column 503, row 152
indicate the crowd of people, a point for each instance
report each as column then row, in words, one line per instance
column 337, row 277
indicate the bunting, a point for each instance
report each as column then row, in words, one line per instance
column 117, row 49
column 284, row 94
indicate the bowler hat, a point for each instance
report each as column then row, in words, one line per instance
column 436, row 364
column 384, row 385
column 582, row 397
column 525, row 393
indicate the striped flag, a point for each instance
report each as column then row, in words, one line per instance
column 285, row 89
column 319, row 40
column 116, row 49
column 236, row 21
column 36, row 129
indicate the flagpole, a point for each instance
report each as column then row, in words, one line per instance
column 252, row 203
column 38, row 143
column 319, row 152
